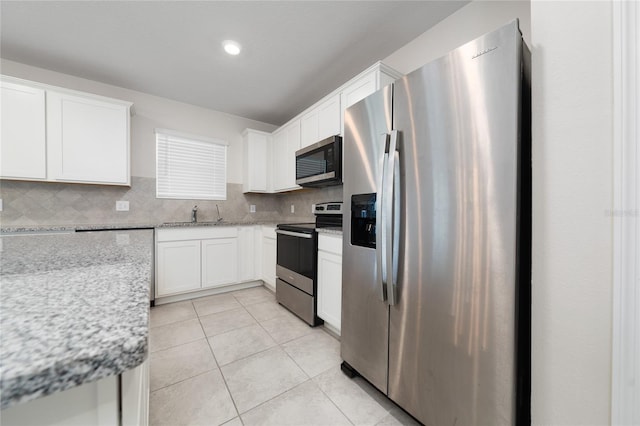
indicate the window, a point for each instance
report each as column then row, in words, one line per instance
column 190, row 167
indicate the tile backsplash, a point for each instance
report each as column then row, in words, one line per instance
column 45, row 203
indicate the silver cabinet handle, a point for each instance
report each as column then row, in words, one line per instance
column 391, row 199
column 380, row 225
column 294, row 234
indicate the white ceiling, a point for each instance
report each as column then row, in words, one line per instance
column 294, row 52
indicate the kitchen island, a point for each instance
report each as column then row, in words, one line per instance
column 74, row 310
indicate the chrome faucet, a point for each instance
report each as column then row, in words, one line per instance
column 194, row 214
column 219, row 217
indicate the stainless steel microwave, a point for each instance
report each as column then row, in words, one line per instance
column 320, row 164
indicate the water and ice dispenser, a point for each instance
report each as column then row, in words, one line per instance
column 363, row 220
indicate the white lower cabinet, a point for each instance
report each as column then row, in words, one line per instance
column 269, row 254
column 200, row 258
column 178, row 267
column 101, row 403
column 219, row 262
column 330, row 280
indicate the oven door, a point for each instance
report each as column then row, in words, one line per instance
column 296, row 259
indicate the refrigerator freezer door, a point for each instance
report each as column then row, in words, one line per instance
column 452, row 333
column 365, row 316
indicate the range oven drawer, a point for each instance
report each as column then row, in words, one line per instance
column 297, row 280
column 297, row 301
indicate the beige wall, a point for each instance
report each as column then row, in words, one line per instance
column 154, row 112
column 473, row 20
column 572, row 189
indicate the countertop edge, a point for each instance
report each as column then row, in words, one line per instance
column 9, row 230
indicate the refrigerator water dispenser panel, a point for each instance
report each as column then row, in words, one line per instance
column 363, row 220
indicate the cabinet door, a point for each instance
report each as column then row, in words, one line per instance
column 23, row 147
column 321, row 122
column 178, row 267
column 219, row 262
column 246, row 254
column 134, row 396
column 279, row 177
column 256, row 161
column 286, row 141
column 269, row 261
column 88, row 139
column 329, row 118
column 330, row 288
column 293, row 144
column 357, row 91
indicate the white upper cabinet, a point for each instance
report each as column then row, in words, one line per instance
column 286, row 141
column 88, row 139
column 368, row 82
column 23, row 149
column 321, row 122
column 256, row 155
column 55, row 134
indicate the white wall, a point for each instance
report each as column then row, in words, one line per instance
column 152, row 112
column 473, row 20
column 572, row 190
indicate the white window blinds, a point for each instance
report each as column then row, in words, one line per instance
column 190, row 167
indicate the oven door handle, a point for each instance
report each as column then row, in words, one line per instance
column 294, row 234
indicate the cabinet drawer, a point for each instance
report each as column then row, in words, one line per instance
column 269, row 232
column 330, row 243
column 195, row 233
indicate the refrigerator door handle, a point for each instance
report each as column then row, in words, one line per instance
column 391, row 213
column 380, row 222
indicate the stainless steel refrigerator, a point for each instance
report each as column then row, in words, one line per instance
column 436, row 256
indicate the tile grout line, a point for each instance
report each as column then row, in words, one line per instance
column 336, row 405
column 277, row 345
column 182, row 380
column 277, row 396
column 224, row 380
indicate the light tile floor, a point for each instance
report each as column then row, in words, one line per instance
column 241, row 358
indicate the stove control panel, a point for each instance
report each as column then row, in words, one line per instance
column 328, row 208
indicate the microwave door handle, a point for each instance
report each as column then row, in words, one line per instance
column 391, row 198
column 381, row 266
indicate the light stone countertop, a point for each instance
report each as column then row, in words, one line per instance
column 131, row 226
column 331, row 231
column 74, row 309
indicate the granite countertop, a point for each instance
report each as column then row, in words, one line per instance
column 74, row 309
column 125, row 226
column 331, row 230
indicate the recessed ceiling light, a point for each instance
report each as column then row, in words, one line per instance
column 231, row 47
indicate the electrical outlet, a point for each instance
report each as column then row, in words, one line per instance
column 313, row 208
column 252, row 208
column 293, row 208
column 122, row 206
